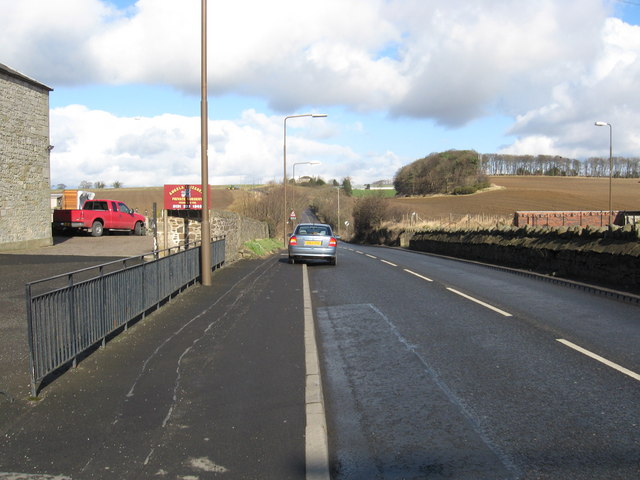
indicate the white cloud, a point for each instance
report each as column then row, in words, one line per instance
column 145, row 151
column 452, row 62
column 554, row 66
column 605, row 91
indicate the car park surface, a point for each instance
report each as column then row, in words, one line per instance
column 313, row 241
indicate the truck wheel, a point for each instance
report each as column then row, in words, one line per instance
column 138, row 229
column 96, row 229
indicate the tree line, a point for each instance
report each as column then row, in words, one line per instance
column 553, row 165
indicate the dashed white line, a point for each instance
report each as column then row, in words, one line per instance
column 600, row 359
column 418, row 275
column 389, row 263
column 479, row 302
column 370, row 256
column 358, row 251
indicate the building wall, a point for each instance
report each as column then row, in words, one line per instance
column 25, row 210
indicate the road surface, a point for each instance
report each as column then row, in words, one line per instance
column 437, row 368
column 432, row 368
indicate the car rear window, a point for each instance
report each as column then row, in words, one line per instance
column 314, row 231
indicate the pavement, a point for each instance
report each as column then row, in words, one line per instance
column 211, row 385
column 17, row 268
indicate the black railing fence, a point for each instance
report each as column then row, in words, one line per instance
column 70, row 313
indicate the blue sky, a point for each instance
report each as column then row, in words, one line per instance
column 399, row 79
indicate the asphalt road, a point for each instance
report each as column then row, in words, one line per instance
column 423, row 381
column 432, row 368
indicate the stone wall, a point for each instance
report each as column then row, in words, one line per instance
column 571, row 219
column 176, row 227
column 25, row 210
column 607, row 256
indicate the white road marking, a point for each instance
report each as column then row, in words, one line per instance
column 600, row 359
column 370, row 256
column 418, row 275
column 389, row 263
column 207, row 465
column 479, row 302
column 316, row 442
column 358, row 251
column 29, row 476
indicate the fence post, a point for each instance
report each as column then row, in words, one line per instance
column 32, row 366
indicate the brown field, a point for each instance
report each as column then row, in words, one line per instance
column 142, row 198
column 508, row 195
column 512, row 194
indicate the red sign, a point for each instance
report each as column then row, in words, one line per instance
column 293, row 215
column 184, row 197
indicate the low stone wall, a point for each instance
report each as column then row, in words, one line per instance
column 609, row 257
column 176, row 227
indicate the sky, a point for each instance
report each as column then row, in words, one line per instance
column 397, row 79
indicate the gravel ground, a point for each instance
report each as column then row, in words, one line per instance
column 22, row 266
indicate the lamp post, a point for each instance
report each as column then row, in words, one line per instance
column 284, row 177
column 605, row 124
column 205, row 231
column 293, row 203
column 338, row 223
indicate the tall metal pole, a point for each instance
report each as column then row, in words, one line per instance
column 205, row 248
column 338, row 225
column 610, row 170
column 284, row 185
column 606, row 124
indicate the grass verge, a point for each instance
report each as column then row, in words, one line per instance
column 261, row 247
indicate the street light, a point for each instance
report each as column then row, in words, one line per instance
column 605, row 124
column 205, row 231
column 284, row 178
column 293, row 203
column 338, row 223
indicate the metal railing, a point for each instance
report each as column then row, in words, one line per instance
column 70, row 313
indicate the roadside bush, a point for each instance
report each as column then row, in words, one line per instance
column 368, row 215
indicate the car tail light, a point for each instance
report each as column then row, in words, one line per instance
column 293, row 241
column 333, row 242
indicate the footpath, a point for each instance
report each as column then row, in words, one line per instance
column 211, row 385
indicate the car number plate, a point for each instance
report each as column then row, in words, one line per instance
column 313, row 242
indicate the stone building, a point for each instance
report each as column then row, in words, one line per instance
column 25, row 211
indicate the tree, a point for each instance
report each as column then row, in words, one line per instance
column 99, row 184
column 117, row 184
column 61, row 186
column 346, row 186
column 444, row 172
column 85, row 185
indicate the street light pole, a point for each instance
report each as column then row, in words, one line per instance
column 605, row 124
column 205, row 231
column 284, row 176
column 338, row 225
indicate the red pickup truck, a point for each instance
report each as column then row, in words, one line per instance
column 97, row 216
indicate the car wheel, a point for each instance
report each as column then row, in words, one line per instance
column 138, row 229
column 292, row 261
column 333, row 261
column 96, row 229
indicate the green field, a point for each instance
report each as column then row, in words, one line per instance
column 374, row 193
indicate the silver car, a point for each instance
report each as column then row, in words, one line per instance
column 313, row 241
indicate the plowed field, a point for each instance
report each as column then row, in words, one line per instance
column 512, row 194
